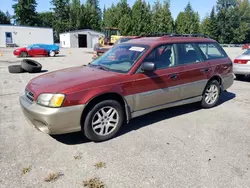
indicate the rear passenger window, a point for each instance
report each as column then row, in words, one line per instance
column 211, row 51
column 188, row 53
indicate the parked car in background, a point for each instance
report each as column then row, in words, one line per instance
column 241, row 66
column 132, row 79
column 245, row 46
column 101, row 50
column 37, row 50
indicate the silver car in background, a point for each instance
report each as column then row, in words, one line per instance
column 242, row 65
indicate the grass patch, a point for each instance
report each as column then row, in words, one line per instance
column 94, row 183
column 26, row 170
column 100, row 165
column 53, row 177
column 77, row 157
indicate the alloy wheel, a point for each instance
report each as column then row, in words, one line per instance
column 211, row 94
column 105, row 121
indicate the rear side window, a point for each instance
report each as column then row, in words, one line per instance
column 211, row 51
column 188, row 53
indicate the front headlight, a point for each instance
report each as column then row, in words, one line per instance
column 50, row 100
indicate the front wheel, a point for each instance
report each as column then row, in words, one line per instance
column 211, row 94
column 103, row 121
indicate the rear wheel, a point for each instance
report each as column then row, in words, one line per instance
column 52, row 53
column 211, row 94
column 103, row 121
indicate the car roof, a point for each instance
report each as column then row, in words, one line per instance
column 152, row 41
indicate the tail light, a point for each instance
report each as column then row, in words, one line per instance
column 241, row 61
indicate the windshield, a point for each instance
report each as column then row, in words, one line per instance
column 247, row 52
column 120, row 59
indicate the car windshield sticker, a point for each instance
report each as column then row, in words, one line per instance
column 137, row 49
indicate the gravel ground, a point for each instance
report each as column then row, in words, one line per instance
column 179, row 147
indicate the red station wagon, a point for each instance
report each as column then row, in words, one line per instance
column 132, row 79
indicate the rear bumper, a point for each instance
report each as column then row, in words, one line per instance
column 52, row 120
column 227, row 81
column 242, row 69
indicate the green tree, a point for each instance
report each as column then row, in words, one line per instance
column 110, row 18
column 25, row 12
column 125, row 25
column 75, row 14
column 4, row 18
column 94, row 14
column 188, row 22
column 46, row 19
column 62, row 14
column 141, row 18
column 162, row 20
column 225, row 4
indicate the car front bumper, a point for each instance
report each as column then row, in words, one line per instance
column 52, row 120
column 241, row 69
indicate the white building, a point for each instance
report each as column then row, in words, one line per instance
column 80, row 39
column 24, row 35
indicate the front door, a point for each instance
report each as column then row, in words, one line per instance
column 161, row 86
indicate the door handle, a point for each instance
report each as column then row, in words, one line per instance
column 204, row 70
column 173, row 76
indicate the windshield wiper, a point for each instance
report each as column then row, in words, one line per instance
column 100, row 67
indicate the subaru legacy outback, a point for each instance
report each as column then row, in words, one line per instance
column 132, row 79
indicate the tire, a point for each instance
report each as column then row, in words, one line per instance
column 24, row 54
column 92, row 116
column 16, row 69
column 52, row 53
column 31, row 66
column 215, row 87
column 239, row 77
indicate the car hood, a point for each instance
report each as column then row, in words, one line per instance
column 70, row 80
column 21, row 49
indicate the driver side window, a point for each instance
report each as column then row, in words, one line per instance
column 162, row 56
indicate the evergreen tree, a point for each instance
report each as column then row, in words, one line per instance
column 4, row 18
column 188, row 22
column 141, row 18
column 125, row 25
column 94, row 14
column 75, row 14
column 162, row 20
column 25, row 12
column 62, row 13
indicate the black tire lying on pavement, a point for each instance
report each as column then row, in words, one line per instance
column 31, row 66
column 16, row 69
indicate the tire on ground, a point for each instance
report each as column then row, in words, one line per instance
column 31, row 66
column 87, row 127
column 16, row 69
column 204, row 104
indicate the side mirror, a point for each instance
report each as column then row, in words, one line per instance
column 148, row 67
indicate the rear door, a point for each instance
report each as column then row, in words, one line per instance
column 195, row 70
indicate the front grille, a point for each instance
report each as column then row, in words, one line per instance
column 29, row 95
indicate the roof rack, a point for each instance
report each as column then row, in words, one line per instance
column 174, row 35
